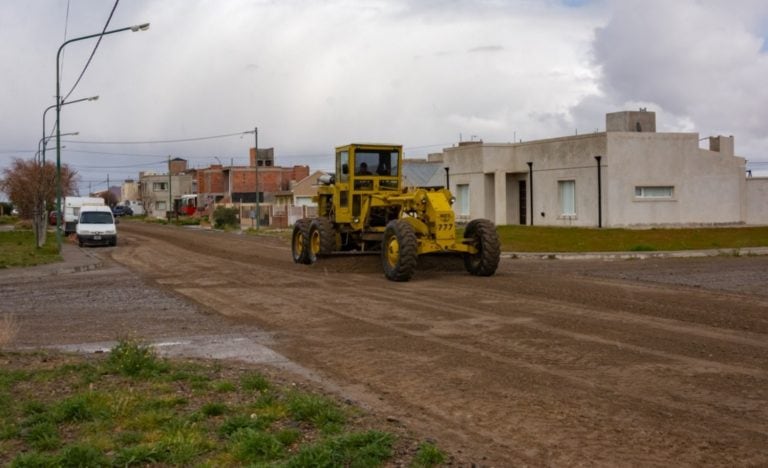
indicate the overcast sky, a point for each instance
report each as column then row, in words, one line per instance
column 423, row 73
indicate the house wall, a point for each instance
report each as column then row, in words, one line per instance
column 493, row 172
column 180, row 185
column 708, row 186
column 757, row 200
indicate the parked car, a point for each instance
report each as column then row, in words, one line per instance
column 122, row 210
column 52, row 218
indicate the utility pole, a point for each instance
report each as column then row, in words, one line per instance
column 256, row 151
column 170, row 192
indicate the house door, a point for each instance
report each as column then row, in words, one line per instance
column 522, row 198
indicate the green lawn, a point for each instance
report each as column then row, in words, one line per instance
column 17, row 249
column 550, row 239
column 132, row 408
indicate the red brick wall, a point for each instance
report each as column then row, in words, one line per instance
column 211, row 180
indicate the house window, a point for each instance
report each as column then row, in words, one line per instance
column 160, row 206
column 159, row 186
column 654, row 193
column 462, row 199
column 567, row 192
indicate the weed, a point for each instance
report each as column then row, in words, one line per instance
column 427, row 456
column 35, row 460
column 254, row 446
column 354, row 450
column 265, row 400
column 254, row 381
column 82, row 455
column 128, row 438
column 81, row 407
column 642, row 248
column 133, row 359
column 9, row 328
column 288, row 436
column 236, row 423
column 139, row 455
column 8, row 431
column 182, row 445
column 320, row 411
column 224, row 387
column 42, row 436
column 213, row 409
column 33, row 407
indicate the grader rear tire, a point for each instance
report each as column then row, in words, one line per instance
column 483, row 236
column 399, row 251
column 300, row 241
column 322, row 238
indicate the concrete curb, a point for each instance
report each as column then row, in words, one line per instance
column 608, row 256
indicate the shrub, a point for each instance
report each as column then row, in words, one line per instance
column 225, row 217
column 132, row 359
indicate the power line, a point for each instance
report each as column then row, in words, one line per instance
column 93, row 52
column 152, row 142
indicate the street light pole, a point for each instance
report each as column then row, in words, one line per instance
column 92, row 98
column 140, row 27
column 38, row 216
column 256, row 160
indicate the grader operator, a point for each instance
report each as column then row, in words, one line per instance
column 364, row 207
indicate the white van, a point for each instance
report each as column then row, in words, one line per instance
column 72, row 206
column 96, row 225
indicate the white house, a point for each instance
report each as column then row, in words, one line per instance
column 627, row 176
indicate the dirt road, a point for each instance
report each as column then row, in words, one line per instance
column 652, row 362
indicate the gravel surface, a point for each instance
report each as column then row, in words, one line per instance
column 549, row 362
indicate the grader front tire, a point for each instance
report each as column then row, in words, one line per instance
column 322, row 238
column 483, row 236
column 300, row 241
column 399, row 251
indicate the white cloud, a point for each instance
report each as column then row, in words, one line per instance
column 699, row 64
column 312, row 75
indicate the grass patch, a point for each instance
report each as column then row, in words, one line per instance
column 18, row 249
column 557, row 239
column 427, row 456
column 124, row 409
column 134, row 359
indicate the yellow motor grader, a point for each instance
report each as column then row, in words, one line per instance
column 364, row 207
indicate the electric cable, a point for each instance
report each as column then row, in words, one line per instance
column 152, row 142
column 93, row 52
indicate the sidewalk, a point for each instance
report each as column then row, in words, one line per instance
column 74, row 260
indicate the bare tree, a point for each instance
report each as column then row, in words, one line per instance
column 28, row 184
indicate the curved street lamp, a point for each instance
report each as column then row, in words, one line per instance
column 139, row 27
column 92, row 98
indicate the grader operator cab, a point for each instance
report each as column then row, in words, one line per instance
column 364, row 207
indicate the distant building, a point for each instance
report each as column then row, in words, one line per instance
column 627, row 176
column 162, row 193
column 238, row 184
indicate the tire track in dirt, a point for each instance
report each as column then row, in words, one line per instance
column 516, row 376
